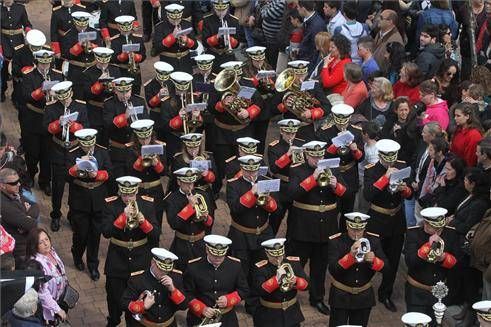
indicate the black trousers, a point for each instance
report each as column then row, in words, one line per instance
column 358, row 317
column 259, row 133
column 5, row 75
column 86, row 236
column 316, row 254
column 36, row 148
column 147, row 15
column 392, row 247
column 222, row 153
column 115, row 288
column 276, row 217
column 346, row 204
column 58, row 174
column 248, row 258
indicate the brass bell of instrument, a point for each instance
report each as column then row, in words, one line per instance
column 436, row 250
column 201, row 208
column 132, row 220
column 324, row 177
column 262, row 199
column 287, row 280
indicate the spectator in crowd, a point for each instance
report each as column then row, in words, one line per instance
column 369, row 133
column 18, row 214
column 439, row 13
column 23, row 314
column 481, row 253
column 432, row 53
column 388, row 33
column 396, row 57
column 244, row 11
column 332, row 73
column 452, row 50
column 365, row 51
column 7, row 245
column 272, row 14
column 43, row 256
column 332, row 11
column 479, row 19
column 450, row 190
column 356, row 91
column 408, row 84
column 352, row 29
column 292, row 28
column 467, row 134
column 322, row 45
column 475, row 96
column 313, row 24
column 402, row 128
column 436, row 108
column 447, row 78
column 483, row 153
column 378, row 106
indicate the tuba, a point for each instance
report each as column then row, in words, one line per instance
column 436, row 250
column 324, row 177
column 132, row 220
column 301, row 100
column 226, row 82
column 287, row 279
column 214, row 320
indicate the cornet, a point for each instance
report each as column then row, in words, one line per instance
column 393, row 186
column 324, row 177
column 200, row 207
column 287, row 278
column 215, row 319
column 262, row 199
column 132, row 219
column 436, row 250
column 363, row 249
column 139, row 317
column 226, row 36
column 132, row 113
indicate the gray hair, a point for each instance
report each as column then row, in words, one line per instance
column 6, row 172
column 27, row 305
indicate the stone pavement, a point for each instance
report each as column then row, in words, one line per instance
column 91, row 309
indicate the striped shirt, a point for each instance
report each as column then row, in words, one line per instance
column 272, row 14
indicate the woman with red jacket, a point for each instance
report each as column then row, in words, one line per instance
column 467, row 135
column 408, row 83
column 332, row 73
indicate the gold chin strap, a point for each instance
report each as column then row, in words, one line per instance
column 388, row 156
column 125, row 27
column 278, row 251
column 64, row 95
column 164, row 265
column 248, row 150
column 341, row 119
column 354, row 225
column 87, row 142
column 144, row 133
column 219, row 252
column 205, row 65
column 103, row 59
column 440, row 223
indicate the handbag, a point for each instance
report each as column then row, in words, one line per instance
column 69, row 298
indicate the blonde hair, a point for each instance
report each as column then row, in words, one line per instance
column 322, row 41
column 385, row 87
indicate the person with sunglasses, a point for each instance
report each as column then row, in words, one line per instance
column 18, row 214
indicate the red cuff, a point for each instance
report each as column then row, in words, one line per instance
column 123, row 57
column 37, row 94
column 120, row 222
column 219, row 106
column 282, row 108
column 55, row 46
column 448, row 260
column 381, row 183
column 209, row 177
column 176, row 296
column 340, row 189
column 255, row 81
column 102, row 176
column 105, row 33
column 76, row 50
column 138, row 164
column 27, row 29
column 136, row 24
column 209, row 221
column 136, row 307
column 159, row 167
column 301, row 284
column 377, row 264
column 233, row 42
column 212, row 40
column 97, row 88
column 332, row 149
column 73, row 171
column 196, row 307
column 238, row 174
column 169, row 40
column 154, row 101
column 233, row 299
column 347, row 261
column 186, row 212
column 137, row 57
column 146, row 226
column 25, row 68
column 253, row 111
column 357, row 154
column 190, row 43
column 316, row 113
column 120, row 121
column 308, row 183
column 283, row 161
column 424, row 250
column 153, row 2
column 54, row 127
column 200, row 26
column 270, row 205
column 270, row 285
column 176, row 123
column 248, row 199
column 407, row 192
column 75, row 127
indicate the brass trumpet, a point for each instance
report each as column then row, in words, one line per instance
column 147, row 160
column 200, row 207
column 262, row 199
column 215, row 319
column 436, row 250
column 287, row 279
column 132, row 220
column 324, row 177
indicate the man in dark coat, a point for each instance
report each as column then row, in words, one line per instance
column 313, row 24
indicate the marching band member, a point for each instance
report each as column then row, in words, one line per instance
column 313, row 216
column 172, row 47
column 281, row 155
column 278, row 280
column 58, row 122
column 118, row 114
column 309, row 106
column 350, row 154
column 128, row 62
column 79, row 54
column 483, row 309
column 87, row 191
column 214, row 284
column 245, row 146
column 189, row 215
column 149, row 168
column 154, row 295
column 415, row 319
column 387, row 216
column 354, row 257
column 129, row 222
column 191, row 11
column 431, row 251
column 109, row 11
column 35, row 138
column 97, row 88
column 157, row 90
column 193, row 150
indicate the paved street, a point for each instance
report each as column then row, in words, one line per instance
column 91, row 309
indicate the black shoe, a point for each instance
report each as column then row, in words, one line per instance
column 94, row 274
column 321, row 307
column 79, row 265
column 55, row 224
column 46, row 188
column 389, row 305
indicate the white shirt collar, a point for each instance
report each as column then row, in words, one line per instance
column 307, row 18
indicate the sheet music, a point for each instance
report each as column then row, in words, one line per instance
column 266, row 73
column 131, row 47
column 87, row 165
column 202, row 165
column 184, row 32
column 47, row 85
column 152, row 149
column 87, row 36
column 268, row 186
column 307, row 85
column 329, row 163
column 70, row 117
column 400, row 175
column 200, row 106
column 224, row 30
column 246, row 92
column 343, row 139
column 138, row 110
